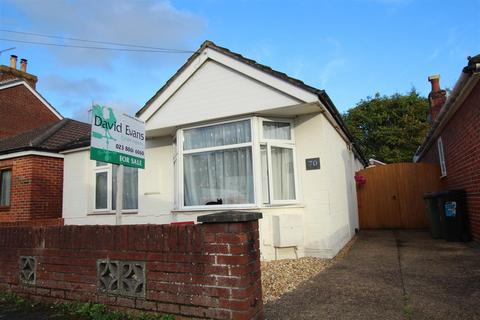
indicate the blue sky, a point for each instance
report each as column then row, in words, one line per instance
column 352, row 49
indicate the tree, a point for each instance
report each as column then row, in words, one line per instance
column 389, row 128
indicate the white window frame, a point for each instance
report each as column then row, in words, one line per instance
column 441, row 157
column 179, row 163
column 108, row 169
column 280, row 143
column 256, row 127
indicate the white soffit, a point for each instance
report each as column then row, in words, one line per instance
column 286, row 111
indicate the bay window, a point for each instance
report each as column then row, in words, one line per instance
column 106, row 188
column 217, row 164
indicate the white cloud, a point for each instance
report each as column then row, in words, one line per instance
column 79, row 108
column 150, row 23
column 330, row 69
column 433, row 55
column 74, row 87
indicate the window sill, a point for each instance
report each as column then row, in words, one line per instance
column 4, row 208
column 110, row 213
column 272, row 206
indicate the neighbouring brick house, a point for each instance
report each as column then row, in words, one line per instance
column 31, row 131
column 31, row 171
column 454, row 140
column 22, row 108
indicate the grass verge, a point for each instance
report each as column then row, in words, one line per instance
column 74, row 310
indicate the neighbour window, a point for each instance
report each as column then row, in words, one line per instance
column 441, row 157
column 5, row 186
column 277, row 162
column 217, row 164
column 106, row 187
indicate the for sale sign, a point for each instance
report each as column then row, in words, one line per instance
column 117, row 138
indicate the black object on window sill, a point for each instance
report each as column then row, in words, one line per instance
column 219, row 201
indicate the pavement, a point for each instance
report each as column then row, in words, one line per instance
column 391, row 275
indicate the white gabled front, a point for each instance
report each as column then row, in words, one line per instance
column 215, row 91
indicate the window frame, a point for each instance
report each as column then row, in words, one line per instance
column 179, row 159
column 10, row 191
column 441, row 157
column 256, row 127
column 107, row 167
column 279, row 143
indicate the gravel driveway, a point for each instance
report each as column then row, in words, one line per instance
column 390, row 275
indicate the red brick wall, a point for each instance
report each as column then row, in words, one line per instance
column 207, row 271
column 36, row 190
column 21, row 111
column 461, row 141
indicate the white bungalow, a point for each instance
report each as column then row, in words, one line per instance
column 227, row 133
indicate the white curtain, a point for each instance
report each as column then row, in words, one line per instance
column 264, row 165
column 223, row 174
column 130, row 188
column 5, row 184
column 217, row 135
column 282, row 174
column 276, row 130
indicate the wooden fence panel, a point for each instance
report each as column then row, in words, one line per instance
column 392, row 197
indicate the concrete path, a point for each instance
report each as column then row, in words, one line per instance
column 391, row 275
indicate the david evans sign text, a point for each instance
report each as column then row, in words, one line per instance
column 117, row 138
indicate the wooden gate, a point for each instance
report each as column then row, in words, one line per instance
column 392, row 195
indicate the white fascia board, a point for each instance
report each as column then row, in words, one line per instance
column 241, row 67
column 35, row 93
column 30, row 153
column 75, row 150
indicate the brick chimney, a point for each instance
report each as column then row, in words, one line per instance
column 436, row 97
column 11, row 72
column 23, row 65
column 13, row 61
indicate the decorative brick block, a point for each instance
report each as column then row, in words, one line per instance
column 125, row 278
column 28, row 270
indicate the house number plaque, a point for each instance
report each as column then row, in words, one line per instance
column 312, row 163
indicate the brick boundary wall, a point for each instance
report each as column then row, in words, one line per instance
column 203, row 271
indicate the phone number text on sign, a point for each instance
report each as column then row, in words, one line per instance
column 129, row 149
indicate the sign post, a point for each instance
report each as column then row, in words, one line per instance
column 119, row 197
column 119, row 139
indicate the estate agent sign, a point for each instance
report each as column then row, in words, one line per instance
column 117, row 138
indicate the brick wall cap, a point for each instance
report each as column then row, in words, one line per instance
column 230, row 216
